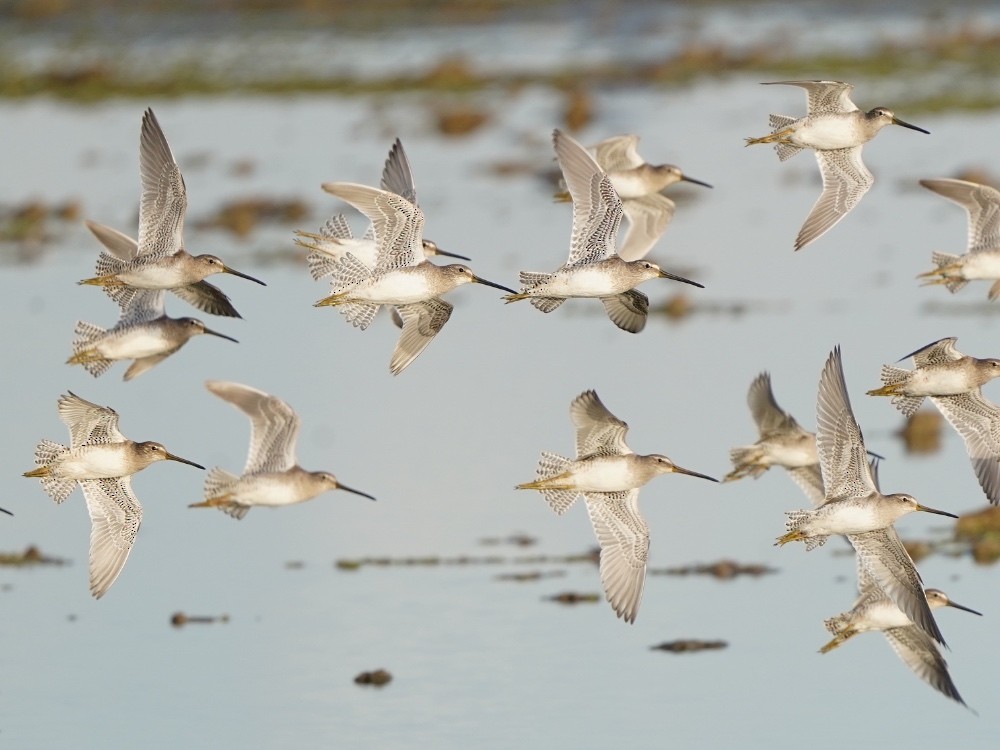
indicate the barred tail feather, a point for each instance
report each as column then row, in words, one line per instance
column 219, row 482
column 746, row 460
column 906, row 404
column 796, row 520
column 546, row 304
column 551, row 465
column 359, row 314
column 58, row 489
column 837, row 624
column 531, row 279
column 943, row 260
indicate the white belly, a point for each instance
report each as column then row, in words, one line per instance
column 154, row 276
column 400, row 287
column 936, row 381
column 985, row 265
column 883, row 615
column 585, row 281
column 272, row 489
column 135, row 342
column 92, row 462
column 826, row 132
column 603, row 474
column 844, row 518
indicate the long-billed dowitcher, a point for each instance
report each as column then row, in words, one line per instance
column 782, row 443
column 271, row 477
column 982, row 256
column 836, row 130
column 608, row 475
column 335, row 238
column 638, row 184
column 593, row 268
column 143, row 333
column 201, row 294
column 953, row 382
column 854, row 505
column 159, row 260
column 102, row 461
column 873, row 610
column 402, row 275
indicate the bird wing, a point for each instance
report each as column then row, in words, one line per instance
column 421, row 323
column 89, row 424
column 117, row 243
column 617, row 152
column 597, row 209
column 398, row 224
column 810, row 481
column 981, row 202
column 841, row 446
column 274, row 426
column 624, row 539
column 142, row 306
column 845, row 180
column 648, row 218
column 824, row 97
column 598, row 431
column 207, row 298
column 396, row 175
column 768, row 416
column 164, row 197
column 887, row 561
column 919, row 653
column 628, row 310
column 942, row 350
column 115, row 515
column 977, row 420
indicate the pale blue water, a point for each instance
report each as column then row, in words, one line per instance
column 480, row 663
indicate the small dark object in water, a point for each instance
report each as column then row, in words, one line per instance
column 572, row 597
column 689, row 644
column 378, row 678
column 179, row 619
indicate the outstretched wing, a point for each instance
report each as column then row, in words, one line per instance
column 598, row 431
column 274, row 426
column 845, row 180
column 624, row 539
column 88, row 423
column 164, row 197
column 115, row 515
column 981, row 202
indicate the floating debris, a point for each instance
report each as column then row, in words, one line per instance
column 31, row 556
column 516, row 540
column 179, row 619
column 689, row 645
column 579, row 110
column 295, row 565
column 242, row 216
column 458, row 121
column 572, row 597
column 981, row 530
column 723, row 570
column 921, row 433
column 532, row 575
column 378, row 678
column 431, row 561
column 918, row 549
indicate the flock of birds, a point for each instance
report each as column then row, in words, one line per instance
column 390, row 265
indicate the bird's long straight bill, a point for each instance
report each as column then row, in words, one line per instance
column 897, row 121
column 234, row 272
column 178, row 459
column 221, row 335
column 950, row 603
column 353, row 491
column 681, row 470
column 452, row 255
column 685, row 178
column 675, row 277
column 478, row 280
column 935, row 511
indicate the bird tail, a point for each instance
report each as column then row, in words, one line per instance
column 83, row 352
column 944, row 263
column 891, row 378
column 57, row 488
column 218, row 483
column 837, row 624
column 552, row 465
column 746, row 462
column 793, row 526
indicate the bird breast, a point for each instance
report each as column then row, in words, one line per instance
column 103, row 461
column 827, row 132
column 136, row 342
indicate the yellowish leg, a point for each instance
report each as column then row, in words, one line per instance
column 791, row 536
column 842, row 637
column 780, row 136
column 87, row 355
column 213, row 502
column 103, row 281
column 550, row 483
column 892, row 389
column 41, row 471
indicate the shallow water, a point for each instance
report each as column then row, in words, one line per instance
column 479, row 662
